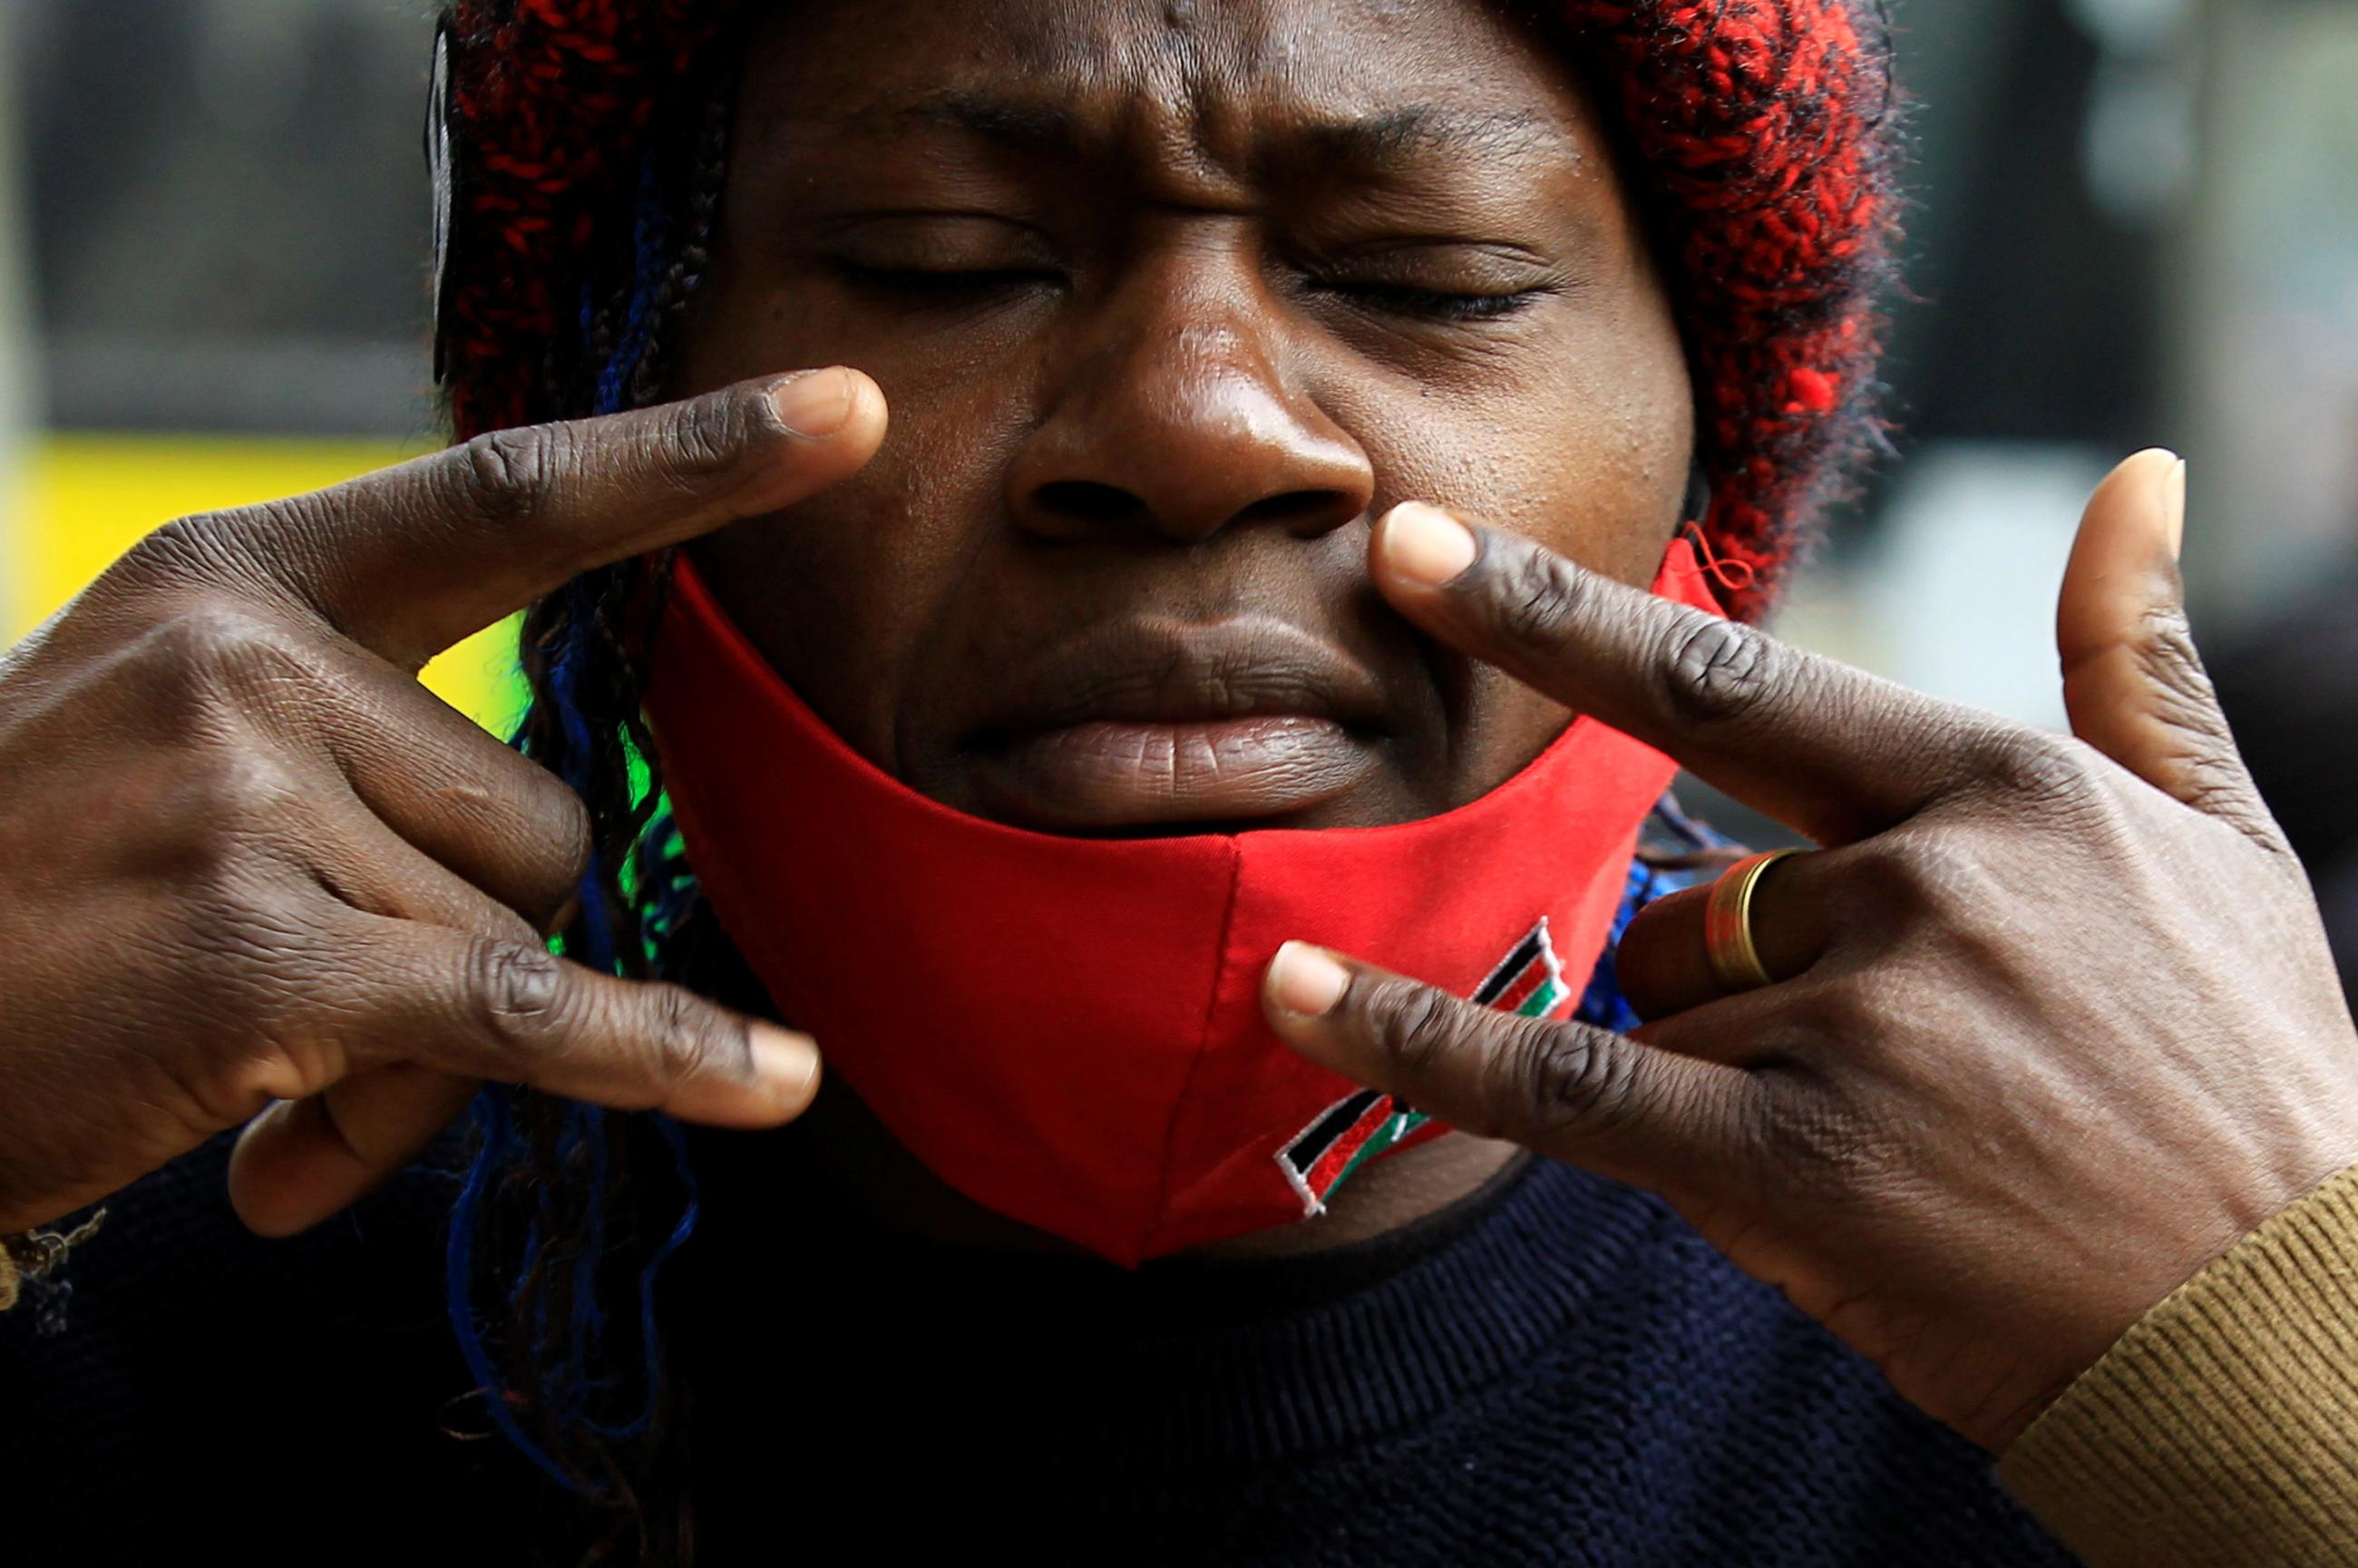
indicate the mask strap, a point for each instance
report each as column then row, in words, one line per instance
column 1735, row 577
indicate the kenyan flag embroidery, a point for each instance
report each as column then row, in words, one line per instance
column 1353, row 1131
column 1529, row 981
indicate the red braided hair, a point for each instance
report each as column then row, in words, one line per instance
column 552, row 104
column 1761, row 129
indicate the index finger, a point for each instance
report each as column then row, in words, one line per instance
column 412, row 560
column 1582, row 1095
column 1826, row 749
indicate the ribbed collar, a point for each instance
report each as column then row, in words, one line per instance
column 1182, row 1366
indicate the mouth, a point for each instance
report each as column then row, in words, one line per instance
column 1159, row 724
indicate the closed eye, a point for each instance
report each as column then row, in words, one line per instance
column 1431, row 304
column 943, row 285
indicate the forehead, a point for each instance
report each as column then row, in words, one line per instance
column 1216, row 77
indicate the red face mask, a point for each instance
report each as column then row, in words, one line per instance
column 1069, row 1030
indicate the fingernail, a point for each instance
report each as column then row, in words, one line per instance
column 1303, row 980
column 786, row 1063
column 2173, row 507
column 1426, row 544
column 814, row 405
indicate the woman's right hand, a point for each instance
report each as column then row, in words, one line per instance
column 251, row 868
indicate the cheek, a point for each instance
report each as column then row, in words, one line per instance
column 1581, row 438
column 846, row 593
column 1583, row 441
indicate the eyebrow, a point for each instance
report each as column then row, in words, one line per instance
column 1018, row 126
column 1370, row 143
column 1036, row 128
column 1379, row 140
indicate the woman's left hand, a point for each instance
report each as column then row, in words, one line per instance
column 2054, row 1022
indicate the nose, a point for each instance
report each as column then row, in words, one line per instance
column 1175, row 417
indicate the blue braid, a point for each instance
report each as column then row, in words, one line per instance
column 1602, row 1004
column 653, row 245
column 498, row 1148
column 653, row 1342
column 584, row 1137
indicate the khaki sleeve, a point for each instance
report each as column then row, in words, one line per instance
column 2222, row 1428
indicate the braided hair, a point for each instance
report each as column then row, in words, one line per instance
column 560, row 1208
column 587, row 144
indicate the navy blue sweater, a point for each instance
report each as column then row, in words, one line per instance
column 1554, row 1372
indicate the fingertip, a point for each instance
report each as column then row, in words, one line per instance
column 2127, row 545
column 813, row 429
column 2147, row 486
column 1304, row 982
column 2134, row 475
column 871, row 411
column 836, row 406
column 814, row 403
column 1421, row 546
column 266, row 1167
column 771, row 1084
column 2173, row 508
column 786, row 1067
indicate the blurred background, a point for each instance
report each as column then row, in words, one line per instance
column 2135, row 223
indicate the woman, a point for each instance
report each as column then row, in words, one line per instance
column 1045, row 759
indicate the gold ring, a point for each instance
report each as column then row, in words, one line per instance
column 1727, row 924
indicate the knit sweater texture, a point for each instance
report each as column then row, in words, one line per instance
column 1558, row 1373
column 2222, row 1431
column 1555, row 1370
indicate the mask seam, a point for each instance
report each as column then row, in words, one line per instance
column 1203, row 1045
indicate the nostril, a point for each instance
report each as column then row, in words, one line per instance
column 1078, row 509
column 1085, row 501
column 1317, row 509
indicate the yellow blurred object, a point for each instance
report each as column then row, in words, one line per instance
column 83, row 500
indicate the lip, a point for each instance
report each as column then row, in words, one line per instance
column 1151, row 722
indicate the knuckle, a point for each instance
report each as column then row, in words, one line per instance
column 571, row 838
column 1719, row 671
column 194, row 549
column 1541, row 594
column 1833, row 1146
column 214, row 645
column 521, row 993
column 505, row 476
column 705, row 438
column 1924, row 875
column 1554, row 1079
column 230, row 831
column 1857, row 1016
column 251, row 982
column 2219, row 788
column 684, row 1044
column 252, row 793
column 2171, row 655
column 249, row 930
column 528, row 836
column 199, row 675
column 2210, row 772
column 1416, row 1027
column 2034, row 769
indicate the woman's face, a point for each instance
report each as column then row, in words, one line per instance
column 1171, row 299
